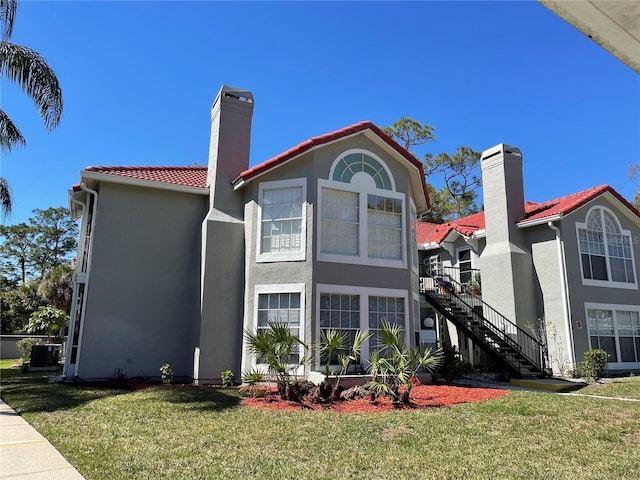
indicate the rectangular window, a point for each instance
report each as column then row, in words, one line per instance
column 282, row 220
column 381, row 309
column 384, row 217
column 617, row 331
column 464, row 264
column 340, row 312
column 620, row 258
column 281, row 308
column 594, row 262
column 362, row 227
column 351, row 308
column 340, row 222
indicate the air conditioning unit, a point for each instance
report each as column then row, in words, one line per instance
column 45, row 355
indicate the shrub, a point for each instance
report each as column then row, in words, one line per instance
column 227, row 378
column 452, row 366
column 577, row 371
column 166, row 373
column 25, row 345
column 595, row 364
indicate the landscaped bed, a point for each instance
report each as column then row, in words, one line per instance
column 422, row 396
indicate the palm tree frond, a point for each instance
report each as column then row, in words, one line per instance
column 7, row 16
column 5, row 198
column 31, row 72
column 10, row 136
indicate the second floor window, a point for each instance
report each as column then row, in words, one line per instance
column 282, row 221
column 605, row 250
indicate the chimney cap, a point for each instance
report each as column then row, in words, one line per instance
column 235, row 93
column 501, row 148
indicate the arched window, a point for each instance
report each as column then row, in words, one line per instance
column 605, row 250
column 362, row 218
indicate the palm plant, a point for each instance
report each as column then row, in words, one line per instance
column 336, row 343
column 394, row 365
column 33, row 75
column 277, row 347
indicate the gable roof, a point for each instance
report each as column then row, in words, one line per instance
column 535, row 213
column 319, row 140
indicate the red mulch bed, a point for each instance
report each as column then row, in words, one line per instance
column 422, row 396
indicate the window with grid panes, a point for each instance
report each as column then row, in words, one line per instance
column 340, row 312
column 605, row 250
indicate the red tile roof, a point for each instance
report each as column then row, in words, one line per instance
column 330, row 137
column 466, row 226
column 187, row 176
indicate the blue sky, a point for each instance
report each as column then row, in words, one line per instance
column 138, row 80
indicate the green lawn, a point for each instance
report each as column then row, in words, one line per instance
column 203, row 433
column 627, row 387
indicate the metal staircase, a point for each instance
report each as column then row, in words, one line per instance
column 509, row 345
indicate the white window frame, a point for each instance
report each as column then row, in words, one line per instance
column 471, row 262
column 282, row 256
column 363, row 255
column 279, row 288
column 614, row 364
column 413, row 231
column 364, row 294
column 606, row 283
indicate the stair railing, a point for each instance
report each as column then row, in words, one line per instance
column 445, row 280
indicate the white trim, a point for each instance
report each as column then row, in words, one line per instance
column 362, row 258
column 364, row 293
column 613, row 307
column 285, row 256
column 539, row 221
column 606, row 283
column 137, row 182
column 413, row 217
column 278, row 288
column 83, row 308
column 566, row 309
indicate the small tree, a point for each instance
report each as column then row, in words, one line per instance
column 394, row 365
column 49, row 320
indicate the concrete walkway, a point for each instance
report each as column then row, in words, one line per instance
column 27, row 455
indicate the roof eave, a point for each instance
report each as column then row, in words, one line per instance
column 138, row 182
column 540, row 221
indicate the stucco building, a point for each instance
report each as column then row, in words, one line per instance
column 563, row 271
column 176, row 263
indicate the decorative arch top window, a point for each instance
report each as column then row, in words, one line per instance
column 347, row 166
column 605, row 250
column 362, row 217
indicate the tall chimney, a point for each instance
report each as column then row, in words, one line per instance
column 507, row 267
column 229, row 147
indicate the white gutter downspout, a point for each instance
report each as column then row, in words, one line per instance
column 565, row 299
column 74, row 296
column 86, row 282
